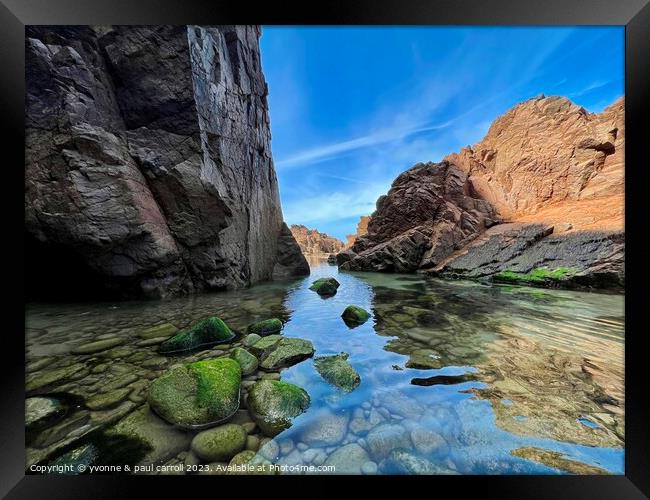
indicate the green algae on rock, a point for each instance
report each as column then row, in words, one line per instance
column 325, row 286
column 210, row 331
column 276, row 351
column 337, row 371
column 246, row 360
column 198, row 394
column 538, row 276
column 273, row 404
column 220, row 443
column 355, row 316
column 266, row 327
column 250, row 339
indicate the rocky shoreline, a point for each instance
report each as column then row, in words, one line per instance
column 539, row 201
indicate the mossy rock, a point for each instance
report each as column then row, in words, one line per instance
column 337, row 371
column 266, row 327
column 538, row 276
column 248, row 462
column 325, row 286
column 198, row 394
column 220, row 443
column 276, row 351
column 273, row 404
column 246, row 360
column 164, row 330
column 355, row 316
column 249, row 340
column 210, row 331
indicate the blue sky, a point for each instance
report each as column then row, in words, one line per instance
column 353, row 107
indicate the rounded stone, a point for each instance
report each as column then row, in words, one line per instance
column 273, row 404
column 209, row 331
column 369, row 468
column 337, row 371
column 266, row 327
column 325, row 286
column 348, row 459
column 250, row 340
column 220, row 443
column 197, row 394
column 385, row 438
column 355, row 315
column 327, row 429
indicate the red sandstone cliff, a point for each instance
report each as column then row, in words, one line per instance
column 313, row 242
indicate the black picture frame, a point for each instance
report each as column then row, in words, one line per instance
column 633, row 14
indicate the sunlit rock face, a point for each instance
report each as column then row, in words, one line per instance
column 428, row 213
column 312, row 241
column 148, row 162
column 548, row 159
column 538, row 201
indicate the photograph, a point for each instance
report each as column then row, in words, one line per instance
column 327, row 250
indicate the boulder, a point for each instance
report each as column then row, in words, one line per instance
column 385, row 438
column 325, row 287
column 273, row 404
column 246, row 360
column 355, row 316
column 348, row 459
column 198, row 394
column 325, row 429
column 276, row 351
column 266, row 327
column 207, row 332
column 337, row 371
column 220, row 443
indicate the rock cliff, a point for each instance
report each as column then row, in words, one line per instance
column 362, row 229
column 539, row 200
column 548, row 160
column 313, row 242
column 148, row 164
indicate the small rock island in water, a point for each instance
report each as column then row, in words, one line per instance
column 176, row 324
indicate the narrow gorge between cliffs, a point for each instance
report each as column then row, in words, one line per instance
column 180, row 319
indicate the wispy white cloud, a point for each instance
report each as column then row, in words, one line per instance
column 589, row 88
column 334, row 205
column 333, row 150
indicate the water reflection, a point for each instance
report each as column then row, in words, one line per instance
column 456, row 377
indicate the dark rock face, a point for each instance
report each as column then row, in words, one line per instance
column 592, row 258
column 429, row 212
column 148, row 163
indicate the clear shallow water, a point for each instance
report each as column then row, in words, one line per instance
column 512, row 369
